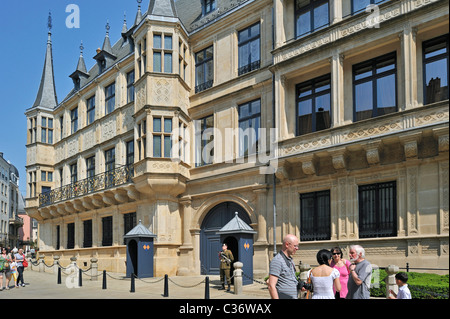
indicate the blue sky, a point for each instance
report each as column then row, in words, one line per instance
column 24, row 30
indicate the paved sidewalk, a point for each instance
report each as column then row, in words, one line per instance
column 39, row 285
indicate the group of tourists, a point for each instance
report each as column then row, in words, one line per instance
column 12, row 265
column 334, row 278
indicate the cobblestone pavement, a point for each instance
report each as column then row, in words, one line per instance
column 40, row 285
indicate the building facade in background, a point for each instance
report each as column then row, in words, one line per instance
column 326, row 119
column 10, row 205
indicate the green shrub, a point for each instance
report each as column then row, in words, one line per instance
column 421, row 285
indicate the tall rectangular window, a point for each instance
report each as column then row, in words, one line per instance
column 315, row 220
column 142, row 139
column 107, row 231
column 204, row 137
column 110, row 165
column 435, row 61
column 314, row 105
column 249, row 49
column 90, row 166
column 73, row 173
column 204, row 69
column 130, row 153
column 129, row 222
column 130, row 86
column 375, row 87
column 47, row 130
column 87, row 233
column 377, row 210
column 162, row 53
column 110, row 98
column 310, row 15
column 162, row 137
column 74, row 120
column 90, row 110
column 71, row 236
column 249, row 124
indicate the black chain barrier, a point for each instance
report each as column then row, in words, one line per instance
column 167, row 279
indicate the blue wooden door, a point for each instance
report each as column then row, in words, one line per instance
column 210, row 244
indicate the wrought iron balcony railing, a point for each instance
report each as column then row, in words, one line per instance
column 116, row 177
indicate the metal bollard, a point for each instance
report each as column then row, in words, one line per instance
column 207, row 288
column 132, row 283
column 80, row 280
column 104, row 279
column 166, row 286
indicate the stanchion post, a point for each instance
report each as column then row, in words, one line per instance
column 94, row 269
column 59, row 276
column 104, row 279
column 132, row 289
column 166, row 286
column 41, row 264
column 80, row 280
column 55, row 264
column 207, row 288
column 238, row 277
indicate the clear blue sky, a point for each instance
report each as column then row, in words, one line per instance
column 24, row 30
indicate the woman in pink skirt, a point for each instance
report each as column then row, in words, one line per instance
column 342, row 265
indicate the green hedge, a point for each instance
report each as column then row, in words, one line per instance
column 421, row 285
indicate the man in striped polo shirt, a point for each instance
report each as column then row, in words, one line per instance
column 282, row 279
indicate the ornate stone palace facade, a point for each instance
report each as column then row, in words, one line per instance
column 202, row 107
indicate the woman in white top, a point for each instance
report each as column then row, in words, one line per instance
column 324, row 277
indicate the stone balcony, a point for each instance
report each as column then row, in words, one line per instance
column 102, row 190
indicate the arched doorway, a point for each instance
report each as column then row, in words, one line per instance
column 210, row 244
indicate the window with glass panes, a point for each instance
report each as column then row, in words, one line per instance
column 377, row 210
column 315, row 220
column 130, row 86
column 74, row 120
column 204, row 69
column 162, row 53
column 249, row 49
column 310, row 15
column 314, row 105
column 90, row 110
column 110, row 98
column 375, row 87
column 435, row 65
column 130, row 153
column 142, row 139
column 362, row 5
column 73, row 173
column 90, row 166
column 162, row 137
column 249, row 124
column 47, row 130
column 204, row 138
column 110, row 165
column 208, row 6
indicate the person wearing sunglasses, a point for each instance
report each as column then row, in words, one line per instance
column 342, row 265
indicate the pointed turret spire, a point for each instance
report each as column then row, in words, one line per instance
column 46, row 96
column 81, row 74
column 165, row 8
column 107, row 43
column 138, row 14
column 124, row 27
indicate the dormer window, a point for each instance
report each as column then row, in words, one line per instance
column 101, row 65
column 208, row 6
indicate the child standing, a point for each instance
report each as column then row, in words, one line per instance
column 403, row 291
column 13, row 267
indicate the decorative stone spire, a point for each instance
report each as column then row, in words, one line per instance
column 46, row 96
column 107, row 43
column 124, row 27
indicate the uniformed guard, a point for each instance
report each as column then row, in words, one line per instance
column 226, row 258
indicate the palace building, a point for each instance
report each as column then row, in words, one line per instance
column 327, row 119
